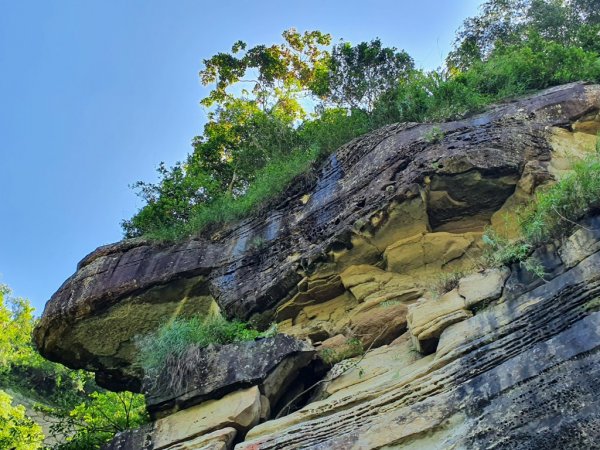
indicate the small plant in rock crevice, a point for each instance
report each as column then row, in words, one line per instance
column 434, row 135
column 445, row 282
column 353, row 347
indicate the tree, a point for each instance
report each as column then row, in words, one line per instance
column 17, row 431
column 359, row 74
column 97, row 419
column 238, row 140
column 16, row 325
column 278, row 73
column 80, row 409
column 504, row 23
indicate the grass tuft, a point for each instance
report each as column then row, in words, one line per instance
column 172, row 340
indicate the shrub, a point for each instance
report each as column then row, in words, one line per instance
column 17, row 431
column 556, row 209
column 445, row 282
column 173, row 339
column 269, row 181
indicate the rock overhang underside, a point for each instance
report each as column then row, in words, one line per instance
column 368, row 228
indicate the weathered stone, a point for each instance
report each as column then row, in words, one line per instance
column 211, row 372
column 523, row 373
column 482, row 287
column 217, row 440
column 429, row 317
column 582, row 243
column 239, row 410
column 430, row 252
column 377, row 189
column 210, row 425
column 381, row 325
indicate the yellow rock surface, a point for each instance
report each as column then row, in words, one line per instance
column 240, row 410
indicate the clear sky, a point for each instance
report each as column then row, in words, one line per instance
column 94, row 94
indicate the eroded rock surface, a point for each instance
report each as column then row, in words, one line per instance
column 522, row 373
column 373, row 202
column 207, row 373
column 503, row 359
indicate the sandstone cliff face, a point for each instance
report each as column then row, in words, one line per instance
column 504, row 360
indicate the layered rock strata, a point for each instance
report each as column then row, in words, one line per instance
column 391, row 199
column 376, row 248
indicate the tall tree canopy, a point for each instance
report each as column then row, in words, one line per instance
column 277, row 73
column 359, row 74
column 502, row 23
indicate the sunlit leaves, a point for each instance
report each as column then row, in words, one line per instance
column 17, row 431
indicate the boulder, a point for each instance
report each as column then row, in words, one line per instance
column 207, row 373
column 211, row 425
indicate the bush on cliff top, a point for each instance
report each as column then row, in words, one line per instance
column 509, row 49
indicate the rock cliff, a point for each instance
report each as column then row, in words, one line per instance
column 349, row 253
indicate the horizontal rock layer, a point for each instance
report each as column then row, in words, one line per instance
column 390, row 199
column 207, row 373
column 522, row 373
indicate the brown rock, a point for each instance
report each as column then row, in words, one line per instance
column 355, row 200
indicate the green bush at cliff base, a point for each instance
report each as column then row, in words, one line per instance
column 173, row 339
column 17, row 431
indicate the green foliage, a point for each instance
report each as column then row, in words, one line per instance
column 353, row 347
column 96, row 420
column 255, row 144
column 505, row 23
column 282, row 71
column 333, row 128
column 17, row 431
column 435, row 134
column 427, row 97
column 69, row 398
column 501, row 251
column 537, row 64
column 552, row 215
column 359, row 74
column 173, row 339
column 16, row 325
column 269, row 180
column 556, row 209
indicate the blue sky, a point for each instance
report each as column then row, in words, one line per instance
column 94, row 94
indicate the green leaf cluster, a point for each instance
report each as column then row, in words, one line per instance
column 511, row 48
column 173, row 339
column 17, row 431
